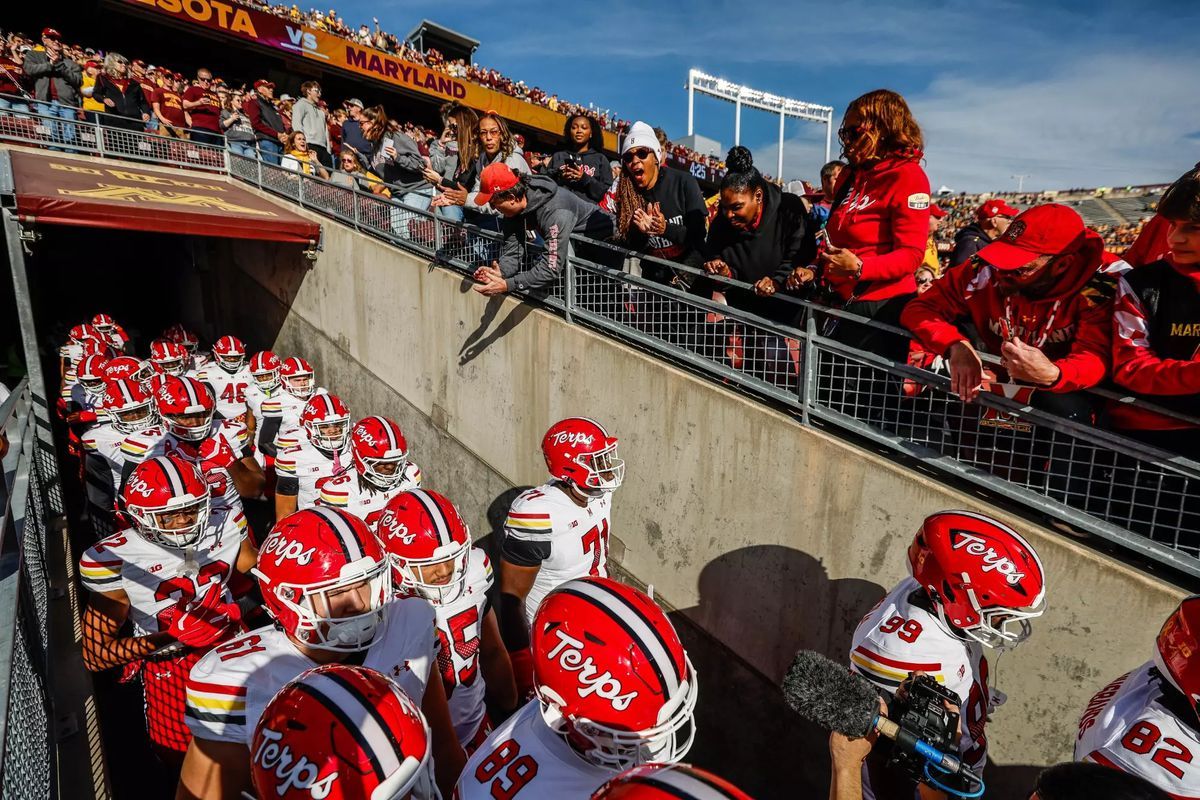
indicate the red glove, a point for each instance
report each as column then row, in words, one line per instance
column 204, row 620
column 216, row 452
column 522, row 666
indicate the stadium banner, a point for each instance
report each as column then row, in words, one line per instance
column 295, row 39
column 66, row 191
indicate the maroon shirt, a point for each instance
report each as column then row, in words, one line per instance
column 206, row 117
column 170, row 104
column 12, row 70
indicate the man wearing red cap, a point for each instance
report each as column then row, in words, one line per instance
column 266, row 121
column 533, row 203
column 56, row 81
column 991, row 220
column 1037, row 300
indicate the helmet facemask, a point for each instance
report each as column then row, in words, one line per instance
column 191, row 427
column 93, row 387
column 409, row 577
column 329, row 435
column 134, row 418
column 230, row 363
column 998, row 628
column 267, row 381
column 605, row 471
column 414, row 780
column 178, row 525
column 299, row 386
column 667, row 742
column 371, row 471
column 315, row 606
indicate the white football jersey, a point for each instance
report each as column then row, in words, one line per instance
column 1127, row 726
column 577, row 537
column 460, row 636
column 349, row 492
column 290, row 409
column 897, row 637
column 523, row 752
column 158, row 441
column 232, row 684
column 79, row 400
column 308, row 465
column 262, row 406
column 103, row 462
column 155, row 577
column 229, row 388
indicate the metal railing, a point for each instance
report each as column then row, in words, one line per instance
column 1143, row 498
column 28, row 755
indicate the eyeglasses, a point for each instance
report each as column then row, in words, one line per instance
column 640, row 153
column 924, row 281
column 849, row 131
column 203, row 80
column 488, row 133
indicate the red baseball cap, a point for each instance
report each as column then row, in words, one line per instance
column 996, row 208
column 496, row 177
column 50, row 33
column 1046, row 230
column 936, row 211
column 263, row 82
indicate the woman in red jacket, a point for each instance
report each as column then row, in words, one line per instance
column 880, row 220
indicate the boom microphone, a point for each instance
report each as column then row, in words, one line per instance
column 828, row 694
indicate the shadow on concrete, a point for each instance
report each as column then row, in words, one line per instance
column 480, row 339
column 772, row 601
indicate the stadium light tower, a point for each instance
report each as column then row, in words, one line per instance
column 764, row 101
column 1020, row 179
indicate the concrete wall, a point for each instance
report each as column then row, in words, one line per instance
column 767, row 535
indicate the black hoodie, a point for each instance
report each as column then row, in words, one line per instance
column 784, row 239
column 597, row 174
column 555, row 213
column 967, row 242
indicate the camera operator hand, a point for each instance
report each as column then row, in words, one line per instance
column 847, row 754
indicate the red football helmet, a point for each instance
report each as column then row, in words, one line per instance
column 90, row 373
column 428, row 543
column 983, row 577
column 229, row 353
column 264, row 369
column 380, row 452
column 104, row 323
column 298, row 377
column 327, row 421
column 186, row 406
column 316, row 553
column 1176, row 649
column 668, row 782
column 342, row 732
column 169, row 357
column 130, row 407
column 94, row 347
column 579, row 451
column 182, row 336
column 610, row 674
column 128, row 367
column 81, row 333
column 168, row 500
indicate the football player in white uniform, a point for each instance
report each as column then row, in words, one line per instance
column 340, row 732
column 322, row 452
column 557, row 531
column 71, row 352
column 975, row 582
column 1147, row 722
column 186, row 408
column 299, row 383
column 85, row 407
column 228, row 378
column 128, row 408
column 430, row 549
column 381, row 471
column 326, row 583
column 614, row 688
column 170, row 576
column 263, row 401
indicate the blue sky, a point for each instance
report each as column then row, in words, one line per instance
column 1096, row 93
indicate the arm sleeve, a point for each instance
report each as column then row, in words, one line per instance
column 547, row 265
column 37, row 67
column 800, row 248
column 512, row 248
column 909, row 228
column 523, row 552
column 408, row 157
column 254, row 114
column 929, row 315
column 266, row 435
column 100, row 569
column 1135, row 364
column 1090, row 358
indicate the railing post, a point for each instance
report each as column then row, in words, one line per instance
column 808, row 384
column 258, row 166
column 437, row 234
column 357, row 224
column 300, row 189
column 227, row 155
column 99, row 136
column 569, row 294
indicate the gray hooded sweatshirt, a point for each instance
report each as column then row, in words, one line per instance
column 555, row 213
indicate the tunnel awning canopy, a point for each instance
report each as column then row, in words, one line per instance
column 62, row 190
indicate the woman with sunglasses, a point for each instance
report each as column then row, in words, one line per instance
column 125, row 105
column 350, row 173
column 658, row 211
column 236, row 125
column 581, row 166
column 879, row 222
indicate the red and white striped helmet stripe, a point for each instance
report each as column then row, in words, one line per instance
column 436, row 514
column 347, row 538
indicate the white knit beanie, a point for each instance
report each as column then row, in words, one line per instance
column 641, row 135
